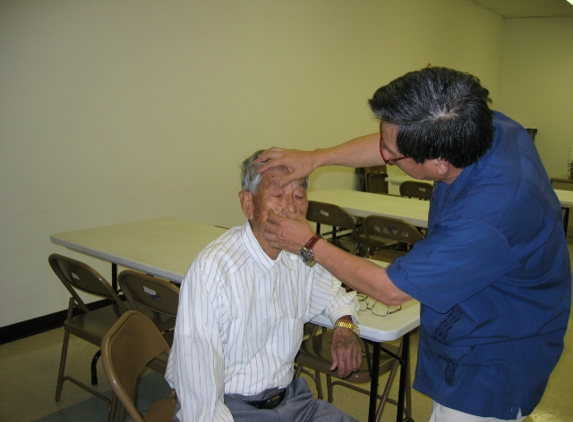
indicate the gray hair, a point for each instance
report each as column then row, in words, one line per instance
column 250, row 179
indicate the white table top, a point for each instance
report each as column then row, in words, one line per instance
column 387, row 328
column 363, row 204
column 398, row 179
column 166, row 247
column 161, row 246
column 565, row 197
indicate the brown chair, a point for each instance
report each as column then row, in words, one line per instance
column 377, row 228
column 158, row 299
column 373, row 179
column 315, row 355
column 413, row 189
column 81, row 321
column 343, row 232
column 127, row 348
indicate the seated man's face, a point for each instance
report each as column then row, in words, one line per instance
column 270, row 196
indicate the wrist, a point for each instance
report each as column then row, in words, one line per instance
column 321, row 157
column 306, row 253
column 347, row 324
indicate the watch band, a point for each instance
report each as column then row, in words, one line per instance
column 310, row 244
column 347, row 324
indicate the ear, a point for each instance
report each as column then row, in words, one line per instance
column 246, row 199
column 442, row 166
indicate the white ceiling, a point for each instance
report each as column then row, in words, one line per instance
column 528, row 8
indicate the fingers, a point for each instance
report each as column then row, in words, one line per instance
column 270, row 158
column 346, row 353
column 347, row 362
column 293, row 176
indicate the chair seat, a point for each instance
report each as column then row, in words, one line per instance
column 163, row 322
column 93, row 326
column 161, row 411
column 159, row 364
column 315, row 355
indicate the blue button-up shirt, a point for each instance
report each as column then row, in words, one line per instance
column 494, row 280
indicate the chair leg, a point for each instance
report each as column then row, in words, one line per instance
column 94, row 367
column 316, row 378
column 60, row 383
column 386, row 392
column 318, row 383
column 329, row 388
column 113, row 408
column 408, row 394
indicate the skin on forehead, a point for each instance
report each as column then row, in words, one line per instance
column 270, row 179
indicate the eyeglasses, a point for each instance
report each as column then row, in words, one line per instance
column 389, row 161
column 377, row 308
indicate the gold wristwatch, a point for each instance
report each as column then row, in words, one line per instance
column 347, row 324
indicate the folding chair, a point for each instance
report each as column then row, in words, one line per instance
column 157, row 299
column 377, row 228
column 81, row 321
column 341, row 222
column 413, row 189
column 127, row 348
column 373, row 179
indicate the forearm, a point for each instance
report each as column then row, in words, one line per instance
column 359, row 273
column 359, row 152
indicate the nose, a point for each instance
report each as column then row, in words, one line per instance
column 290, row 204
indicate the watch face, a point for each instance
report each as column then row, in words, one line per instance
column 306, row 256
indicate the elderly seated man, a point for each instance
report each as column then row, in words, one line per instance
column 241, row 313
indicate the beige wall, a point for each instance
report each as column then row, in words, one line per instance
column 536, row 84
column 116, row 111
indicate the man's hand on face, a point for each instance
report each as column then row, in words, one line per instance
column 299, row 163
column 288, row 233
column 346, row 352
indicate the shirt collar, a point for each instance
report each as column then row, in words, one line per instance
column 260, row 257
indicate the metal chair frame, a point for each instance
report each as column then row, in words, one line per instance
column 81, row 321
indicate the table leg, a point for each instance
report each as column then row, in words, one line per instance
column 114, row 276
column 374, row 372
column 404, row 368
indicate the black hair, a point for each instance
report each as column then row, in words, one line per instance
column 440, row 112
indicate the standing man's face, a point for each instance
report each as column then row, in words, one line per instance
column 270, row 196
column 429, row 170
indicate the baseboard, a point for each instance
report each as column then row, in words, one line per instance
column 38, row 325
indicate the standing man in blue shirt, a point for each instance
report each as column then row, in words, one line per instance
column 493, row 274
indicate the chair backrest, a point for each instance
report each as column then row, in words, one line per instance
column 372, row 179
column 132, row 342
column 150, row 292
column 338, row 218
column 376, row 226
column 412, row 189
column 329, row 214
column 76, row 275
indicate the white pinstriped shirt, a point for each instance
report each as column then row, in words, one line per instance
column 240, row 322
